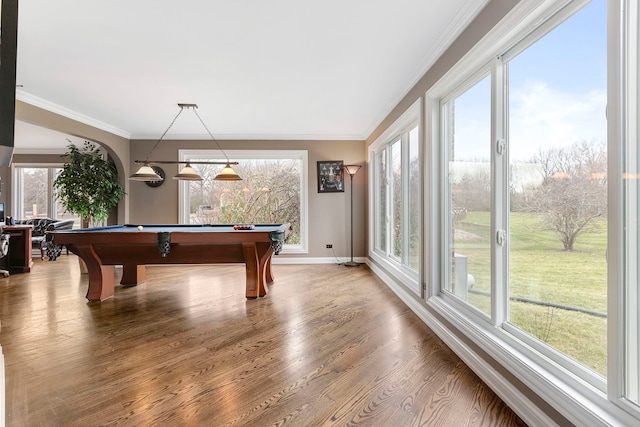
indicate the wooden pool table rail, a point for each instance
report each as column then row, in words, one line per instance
column 102, row 250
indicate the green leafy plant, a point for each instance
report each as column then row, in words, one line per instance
column 88, row 185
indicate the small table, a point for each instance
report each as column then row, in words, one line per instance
column 101, row 248
column 19, row 259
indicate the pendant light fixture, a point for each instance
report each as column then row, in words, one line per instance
column 146, row 172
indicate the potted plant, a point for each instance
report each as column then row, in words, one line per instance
column 88, row 184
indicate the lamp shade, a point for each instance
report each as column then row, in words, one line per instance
column 352, row 169
column 227, row 174
column 145, row 173
column 188, row 174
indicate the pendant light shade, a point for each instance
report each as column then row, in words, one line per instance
column 188, row 174
column 145, row 173
column 227, row 174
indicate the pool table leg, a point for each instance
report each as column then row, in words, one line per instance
column 133, row 274
column 101, row 284
column 106, row 288
column 268, row 276
column 255, row 259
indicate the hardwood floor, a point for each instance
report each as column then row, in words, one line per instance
column 328, row 346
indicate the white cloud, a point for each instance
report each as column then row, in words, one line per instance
column 543, row 117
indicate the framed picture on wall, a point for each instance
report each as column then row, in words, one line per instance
column 330, row 176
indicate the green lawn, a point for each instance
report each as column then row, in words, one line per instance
column 540, row 269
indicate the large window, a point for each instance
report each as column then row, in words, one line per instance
column 397, row 200
column 525, row 216
column 535, row 163
column 413, row 211
column 396, row 206
column 380, row 185
column 557, row 282
column 273, row 190
column 33, row 195
column 468, row 168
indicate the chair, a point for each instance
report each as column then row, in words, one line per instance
column 40, row 228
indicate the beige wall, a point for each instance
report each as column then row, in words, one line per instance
column 328, row 214
column 329, row 220
column 116, row 146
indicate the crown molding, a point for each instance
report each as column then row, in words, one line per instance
column 252, row 137
column 456, row 26
column 36, row 101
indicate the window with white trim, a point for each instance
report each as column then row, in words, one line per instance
column 273, row 190
column 467, row 241
column 563, row 287
column 396, row 209
column 525, row 203
column 624, row 253
column 380, row 197
column 33, row 193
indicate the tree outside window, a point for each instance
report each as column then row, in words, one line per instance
column 270, row 192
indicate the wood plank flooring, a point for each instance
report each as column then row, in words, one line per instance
column 328, row 346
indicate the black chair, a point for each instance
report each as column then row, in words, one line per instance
column 40, row 228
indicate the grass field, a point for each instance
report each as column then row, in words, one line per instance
column 539, row 269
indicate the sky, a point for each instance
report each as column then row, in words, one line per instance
column 557, row 93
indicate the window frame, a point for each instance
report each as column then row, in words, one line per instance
column 589, row 401
column 399, row 130
column 17, row 189
column 624, row 245
column 442, row 246
column 398, row 143
column 213, row 154
column 379, row 231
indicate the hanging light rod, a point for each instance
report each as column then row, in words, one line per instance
column 146, row 172
column 179, row 162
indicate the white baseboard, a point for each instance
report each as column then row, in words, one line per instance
column 284, row 259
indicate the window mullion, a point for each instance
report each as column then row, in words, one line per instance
column 447, row 110
column 623, row 244
column 500, row 194
column 389, row 202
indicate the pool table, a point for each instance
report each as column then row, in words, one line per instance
column 135, row 246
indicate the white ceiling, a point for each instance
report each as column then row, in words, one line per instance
column 280, row 69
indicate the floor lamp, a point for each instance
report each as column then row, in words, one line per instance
column 352, row 170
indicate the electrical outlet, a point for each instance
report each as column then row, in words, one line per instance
column 329, row 246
